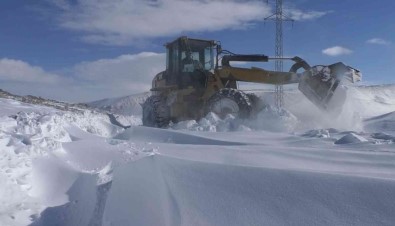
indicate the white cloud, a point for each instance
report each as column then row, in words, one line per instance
column 120, row 22
column 19, row 71
column 378, row 41
column 336, row 51
column 123, row 75
column 125, row 21
column 299, row 15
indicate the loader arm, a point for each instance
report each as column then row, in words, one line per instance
column 320, row 84
column 257, row 75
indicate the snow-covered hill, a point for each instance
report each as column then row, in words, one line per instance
column 297, row 167
column 383, row 123
column 129, row 105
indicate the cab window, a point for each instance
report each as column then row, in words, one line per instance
column 208, row 58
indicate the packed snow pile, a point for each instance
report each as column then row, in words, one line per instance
column 351, row 138
column 269, row 119
column 320, row 133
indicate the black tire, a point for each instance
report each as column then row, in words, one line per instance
column 257, row 103
column 155, row 112
column 229, row 101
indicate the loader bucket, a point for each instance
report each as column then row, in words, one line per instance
column 322, row 85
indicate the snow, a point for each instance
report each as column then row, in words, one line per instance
column 382, row 123
column 350, row 139
column 38, row 148
column 179, row 192
column 126, row 106
column 292, row 167
column 268, row 119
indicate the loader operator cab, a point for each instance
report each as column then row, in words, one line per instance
column 188, row 62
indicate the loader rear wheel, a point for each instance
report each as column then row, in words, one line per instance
column 155, row 112
column 229, row 101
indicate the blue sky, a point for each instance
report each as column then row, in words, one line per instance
column 80, row 50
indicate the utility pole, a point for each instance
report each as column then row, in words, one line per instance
column 279, row 17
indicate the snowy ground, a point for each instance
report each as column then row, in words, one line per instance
column 295, row 168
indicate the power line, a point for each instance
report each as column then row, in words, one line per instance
column 279, row 18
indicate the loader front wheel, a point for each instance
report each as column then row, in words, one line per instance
column 155, row 112
column 229, row 101
column 257, row 104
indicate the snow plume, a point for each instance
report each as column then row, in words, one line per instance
column 310, row 116
column 360, row 103
column 300, row 114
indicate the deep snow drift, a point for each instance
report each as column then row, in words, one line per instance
column 43, row 152
column 295, row 167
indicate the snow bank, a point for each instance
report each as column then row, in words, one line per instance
column 383, row 137
column 384, row 123
column 70, row 196
column 167, row 191
column 155, row 135
column 29, row 133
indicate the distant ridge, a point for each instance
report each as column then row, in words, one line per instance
column 30, row 99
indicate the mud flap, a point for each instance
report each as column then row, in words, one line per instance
column 322, row 85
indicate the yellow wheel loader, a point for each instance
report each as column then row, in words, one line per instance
column 194, row 83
